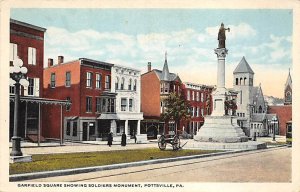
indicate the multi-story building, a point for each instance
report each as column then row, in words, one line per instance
column 156, row 86
column 284, row 113
column 126, row 83
column 27, row 43
column 251, row 107
column 86, row 84
column 200, row 99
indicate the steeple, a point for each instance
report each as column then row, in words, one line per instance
column 289, row 80
column 165, row 71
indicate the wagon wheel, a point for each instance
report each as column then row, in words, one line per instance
column 162, row 142
column 176, row 143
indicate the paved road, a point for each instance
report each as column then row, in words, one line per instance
column 272, row 165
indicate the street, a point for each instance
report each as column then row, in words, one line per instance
column 271, row 165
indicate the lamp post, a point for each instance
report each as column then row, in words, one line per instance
column 274, row 120
column 17, row 78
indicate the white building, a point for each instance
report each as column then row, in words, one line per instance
column 126, row 82
column 251, row 106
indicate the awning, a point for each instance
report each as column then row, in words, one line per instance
column 72, row 117
column 41, row 100
column 108, row 116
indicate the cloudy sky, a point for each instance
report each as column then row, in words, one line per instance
column 133, row 37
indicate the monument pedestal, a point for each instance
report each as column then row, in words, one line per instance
column 220, row 129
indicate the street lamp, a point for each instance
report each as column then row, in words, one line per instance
column 274, row 120
column 17, row 78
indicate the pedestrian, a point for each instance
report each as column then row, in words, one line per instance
column 110, row 139
column 123, row 140
column 135, row 137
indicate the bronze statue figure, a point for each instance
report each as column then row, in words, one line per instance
column 222, row 36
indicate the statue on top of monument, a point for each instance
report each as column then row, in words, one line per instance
column 222, row 36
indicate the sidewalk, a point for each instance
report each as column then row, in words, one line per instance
column 92, row 146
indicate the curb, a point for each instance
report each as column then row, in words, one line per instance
column 44, row 174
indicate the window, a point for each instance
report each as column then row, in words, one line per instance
column 130, row 104
column 89, row 77
column 195, row 112
column 52, row 83
column 288, row 96
column 193, row 96
column 68, row 79
column 68, row 131
column 201, row 97
column 98, row 104
column 107, row 82
column 122, row 83
column 88, row 104
column 250, row 81
column 68, row 107
column 107, row 105
column 74, row 129
column 98, row 81
column 130, row 84
column 236, row 81
column 31, row 56
column 123, row 104
column 245, row 80
column 134, row 85
column 92, row 128
column 11, row 89
column 161, row 88
column 188, row 95
column 197, row 96
column 202, row 112
column 117, row 83
column 31, row 86
column 13, row 51
column 167, row 87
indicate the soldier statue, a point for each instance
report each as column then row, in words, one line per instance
column 222, row 36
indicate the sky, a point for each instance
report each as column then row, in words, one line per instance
column 134, row 37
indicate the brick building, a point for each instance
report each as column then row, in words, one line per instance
column 156, row 86
column 284, row 113
column 199, row 97
column 27, row 43
column 86, row 84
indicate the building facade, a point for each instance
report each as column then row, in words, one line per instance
column 200, row 99
column 156, row 86
column 86, row 84
column 251, row 106
column 126, row 83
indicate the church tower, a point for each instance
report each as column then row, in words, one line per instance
column 288, row 90
column 243, row 77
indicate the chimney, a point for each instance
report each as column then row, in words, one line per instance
column 50, row 62
column 149, row 66
column 60, row 60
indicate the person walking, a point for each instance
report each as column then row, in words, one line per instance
column 123, row 140
column 135, row 137
column 110, row 139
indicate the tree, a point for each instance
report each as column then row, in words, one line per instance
column 176, row 108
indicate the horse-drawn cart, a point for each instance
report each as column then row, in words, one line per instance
column 170, row 139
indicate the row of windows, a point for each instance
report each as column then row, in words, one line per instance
column 89, row 80
column 195, row 111
column 107, row 105
column 243, row 81
column 165, row 87
column 120, row 85
column 31, row 51
column 196, row 96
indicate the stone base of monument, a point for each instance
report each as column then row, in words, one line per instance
column 223, row 129
column 249, row 145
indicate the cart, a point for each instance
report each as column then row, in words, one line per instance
column 170, row 139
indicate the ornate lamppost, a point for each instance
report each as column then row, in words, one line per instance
column 17, row 78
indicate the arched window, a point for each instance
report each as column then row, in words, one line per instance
column 259, row 109
column 288, row 96
column 130, row 84
column 117, row 83
column 245, row 80
column 122, row 83
column 134, row 85
column 236, row 81
column 241, row 79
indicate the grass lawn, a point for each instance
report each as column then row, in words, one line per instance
column 75, row 160
column 277, row 143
